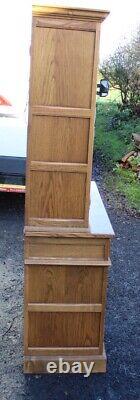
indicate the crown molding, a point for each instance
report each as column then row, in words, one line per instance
column 70, row 13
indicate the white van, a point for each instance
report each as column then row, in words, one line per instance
column 13, row 137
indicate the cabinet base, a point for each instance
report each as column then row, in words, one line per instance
column 38, row 364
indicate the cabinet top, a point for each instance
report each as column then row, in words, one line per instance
column 99, row 223
column 68, row 12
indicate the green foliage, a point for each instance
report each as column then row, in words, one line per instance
column 112, row 143
column 128, row 184
column 135, row 161
column 122, row 69
column 125, row 182
column 126, row 175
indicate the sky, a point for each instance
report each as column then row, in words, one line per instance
column 15, row 29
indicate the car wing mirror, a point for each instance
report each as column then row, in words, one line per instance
column 103, row 88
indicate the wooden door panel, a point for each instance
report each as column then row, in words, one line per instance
column 63, row 329
column 57, row 195
column 62, row 67
column 59, row 139
column 64, row 284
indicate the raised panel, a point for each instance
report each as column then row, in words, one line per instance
column 64, row 284
column 57, row 195
column 63, row 329
column 59, row 139
column 62, row 67
column 64, row 247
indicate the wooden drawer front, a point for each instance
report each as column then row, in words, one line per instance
column 59, row 139
column 57, row 247
column 62, row 67
column 64, row 284
column 63, row 329
column 56, row 195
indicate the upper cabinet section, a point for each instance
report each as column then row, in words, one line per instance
column 62, row 99
column 63, row 56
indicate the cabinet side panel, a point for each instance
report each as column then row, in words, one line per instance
column 64, row 329
column 59, row 139
column 51, row 247
column 57, row 195
column 65, row 284
column 60, row 128
column 62, row 67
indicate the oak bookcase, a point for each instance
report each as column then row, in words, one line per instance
column 67, row 247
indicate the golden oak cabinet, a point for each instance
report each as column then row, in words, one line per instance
column 64, row 60
column 67, row 247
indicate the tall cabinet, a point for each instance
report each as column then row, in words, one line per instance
column 66, row 246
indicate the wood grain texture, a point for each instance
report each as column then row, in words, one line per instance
column 63, row 84
column 65, row 267
column 104, row 293
column 26, row 293
column 58, row 166
column 35, row 261
column 65, row 248
column 64, row 284
column 72, row 112
column 66, row 24
column 99, row 224
column 52, row 195
column 60, row 67
column 62, row 351
column 55, row 222
column 77, row 13
column 67, row 308
column 59, row 139
column 55, row 329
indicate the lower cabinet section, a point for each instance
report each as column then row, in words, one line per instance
column 65, row 292
column 64, row 312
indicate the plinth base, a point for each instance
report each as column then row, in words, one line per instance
column 38, row 364
column 65, row 293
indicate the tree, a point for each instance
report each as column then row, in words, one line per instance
column 122, row 69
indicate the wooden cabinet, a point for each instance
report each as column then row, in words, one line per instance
column 64, row 60
column 67, row 247
column 65, row 291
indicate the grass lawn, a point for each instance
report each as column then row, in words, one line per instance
column 113, row 133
